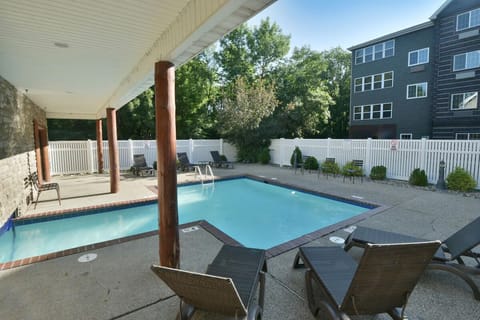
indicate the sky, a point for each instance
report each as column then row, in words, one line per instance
column 326, row 24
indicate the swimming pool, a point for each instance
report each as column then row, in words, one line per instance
column 254, row 213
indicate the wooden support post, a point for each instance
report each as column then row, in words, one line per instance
column 99, row 145
column 113, row 150
column 169, row 247
column 45, row 156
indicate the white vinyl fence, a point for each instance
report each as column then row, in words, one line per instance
column 70, row 157
column 400, row 157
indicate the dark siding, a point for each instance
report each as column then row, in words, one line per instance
column 409, row 115
column 447, row 122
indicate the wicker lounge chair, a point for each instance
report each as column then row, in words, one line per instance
column 44, row 187
column 218, row 162
column 450, row 256
column 381, row 282
column 228, row 287
column 140, row 166
column 185, row 164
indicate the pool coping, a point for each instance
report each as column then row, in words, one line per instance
column 375, row 209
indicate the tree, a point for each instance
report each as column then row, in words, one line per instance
column 195, row 94
column 240, row 116
column 136, row 120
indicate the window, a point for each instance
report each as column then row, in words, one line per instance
column 375, row 52
column 467, row 136
column 374, row 82
column 375, row 111
column 418, row 57
column 417, row 90
column 466, row 60
column 462, row 101
column 468, row 19
column 406, row 136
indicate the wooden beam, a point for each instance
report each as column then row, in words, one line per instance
column 99, row 145
column 113, row 150
column 44, row 154
column 169, row 246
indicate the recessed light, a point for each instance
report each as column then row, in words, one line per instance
column 61, row 44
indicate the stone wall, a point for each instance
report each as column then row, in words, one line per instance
column 17, row 148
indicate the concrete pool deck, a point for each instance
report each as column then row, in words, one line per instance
column 120, row 285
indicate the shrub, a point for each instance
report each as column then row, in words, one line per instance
column 378, row 173
column 418, row 178
column 223, row 157
column 311, row 163
column 264, row 156
column 460, row 180
column 330, row 167
column 349, row 169
column 298, row 154
column 155, row 164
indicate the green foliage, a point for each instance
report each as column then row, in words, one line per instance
column 240, row 116
column 311, row 163
column 154, row 165
column 418, row 178
column 223, row 157
column 460, row 180
column 378, row 173
column 264, row 156
column 330, row 167
column 350, row 169
column 136, row 120
column 298, row 154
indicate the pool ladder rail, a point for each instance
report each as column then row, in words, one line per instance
column 208, row 173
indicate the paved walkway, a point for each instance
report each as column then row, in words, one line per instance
column 120, row 285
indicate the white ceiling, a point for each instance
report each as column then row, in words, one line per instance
column 75, row 58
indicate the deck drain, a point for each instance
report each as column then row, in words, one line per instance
column 337, row 240
column 87, row 257
column 190, row 229
column 350, row 229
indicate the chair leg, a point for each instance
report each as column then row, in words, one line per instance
column 36, row 201
column 261, row 295
column 457, row 271
column 309, row 291
column 58, row 195
column 296, row 262
column 186, row 311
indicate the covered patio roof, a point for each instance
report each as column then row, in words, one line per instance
column 75, row 59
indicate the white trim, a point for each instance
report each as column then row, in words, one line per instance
column 410, row 136
column 469, row 20
column 361, row 52
column 372, row 77
column 466, row 67
column 468, row 135
column 463, row 94
column 416, row 92
column 381, row 111
column 410, row 64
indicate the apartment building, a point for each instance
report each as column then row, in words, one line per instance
column 422, row 81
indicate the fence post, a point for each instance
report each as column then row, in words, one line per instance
column 368, row 156
column 130, row 149
column 191, row 148
column 282, row 151
column 221, row 146
column 423, row 154
column 329, row 140
column 89, row 156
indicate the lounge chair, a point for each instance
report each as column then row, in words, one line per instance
column 218, row 162
column 228, row 287
column 140, row 166
column 450, row 256
column 185, row 164
column 381, row 282
column 352, row 173
column 44, row 187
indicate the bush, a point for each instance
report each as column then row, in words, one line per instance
column 349, row 169
column 418, row 178
column 330, row 167
column 264, row 156
column 298, row 154
column 378, row 173
column 460, row 180
column 155, row 165
column 311, row 163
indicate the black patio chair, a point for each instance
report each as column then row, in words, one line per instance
column 354, row 172
column 450, row 256
column 184, row 162
column 228, row 287
column 140, row 166
column 381, row 282
column 219, row 162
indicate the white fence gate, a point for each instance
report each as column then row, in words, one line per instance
column 400, row 157
column 70, row 157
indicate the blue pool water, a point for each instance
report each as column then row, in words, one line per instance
column 254, row 213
